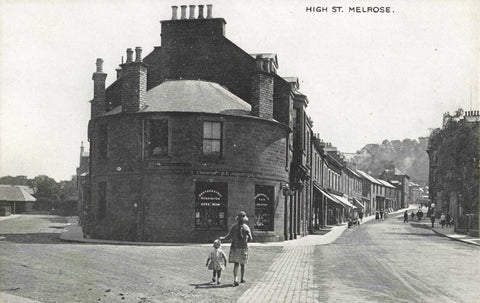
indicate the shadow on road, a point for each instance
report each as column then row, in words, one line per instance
column 37, row 238
column 57, row 219
column 211, row 285
column 421, row 225
column 414, row 234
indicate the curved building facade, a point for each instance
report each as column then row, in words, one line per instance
column 182, row 166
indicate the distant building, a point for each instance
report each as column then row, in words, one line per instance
column 401, row 180
column 17, row 198
column 82, row 180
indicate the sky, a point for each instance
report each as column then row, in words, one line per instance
column 367, row 76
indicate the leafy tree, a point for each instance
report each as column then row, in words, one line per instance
column 457, row 146
column 407, row 155
column 17, row 180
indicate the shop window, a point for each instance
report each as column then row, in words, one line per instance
column 211, row 200
column 264, row 197
column 103, row 142
column 102, row 199
column 158, row 138
column 212, row 138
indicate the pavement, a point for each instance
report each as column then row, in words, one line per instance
column 289, row 278
column 448, row 232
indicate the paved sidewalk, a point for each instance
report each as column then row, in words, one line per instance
column 73, row 233
column 448, row 232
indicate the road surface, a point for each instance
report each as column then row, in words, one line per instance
column 392, row 261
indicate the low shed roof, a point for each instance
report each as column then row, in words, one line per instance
column 15, row 193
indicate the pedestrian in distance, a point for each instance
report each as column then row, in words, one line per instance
column 217, row 261
column 442, row 219
column 377, row 215
column 432, row 219
column 360, row 215
column 413, row 216
column 448, row 220
column 405, row 217
column 419, row 214
column 240, row 234
column 381, row 214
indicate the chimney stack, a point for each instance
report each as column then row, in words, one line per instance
column 262, row 91
column 174, row 12
column 134, row 82
column 183, row 12
column 98, row 102
column 177, row 34
column 192, row 12
column 200, row 11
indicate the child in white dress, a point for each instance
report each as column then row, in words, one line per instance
column 217, row 261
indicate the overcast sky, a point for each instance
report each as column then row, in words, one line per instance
column 368, row 77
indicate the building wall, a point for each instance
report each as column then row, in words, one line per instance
column 153, row 199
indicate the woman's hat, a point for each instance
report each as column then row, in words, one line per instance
column 242, row 215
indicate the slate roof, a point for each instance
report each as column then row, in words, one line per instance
column 15, row 193
column 368, row 177
column 385, row 183
column 192, row 96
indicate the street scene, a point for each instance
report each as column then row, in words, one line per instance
column 157, row 151
column 378, row 261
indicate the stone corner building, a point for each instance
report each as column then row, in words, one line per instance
column 188, row 136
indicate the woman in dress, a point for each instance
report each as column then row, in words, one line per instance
column 240, row 234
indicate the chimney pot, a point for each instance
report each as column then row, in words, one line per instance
column 119, row 72
column 99, row 64
column 129, row 55
column 174, row 12
column 192, row 12
column 138, row 54
column 209, row 11
column 200, row 11
column 183, row 12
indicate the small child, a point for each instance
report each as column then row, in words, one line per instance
column 217, row 261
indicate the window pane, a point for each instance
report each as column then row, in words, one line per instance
column 264, row 197
column 158, row 137
column 215, row 147
column 216, row 130
column 207, row 147
column 210, row 205
column 207, row 130
column 102, row 199
column 103, row 142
